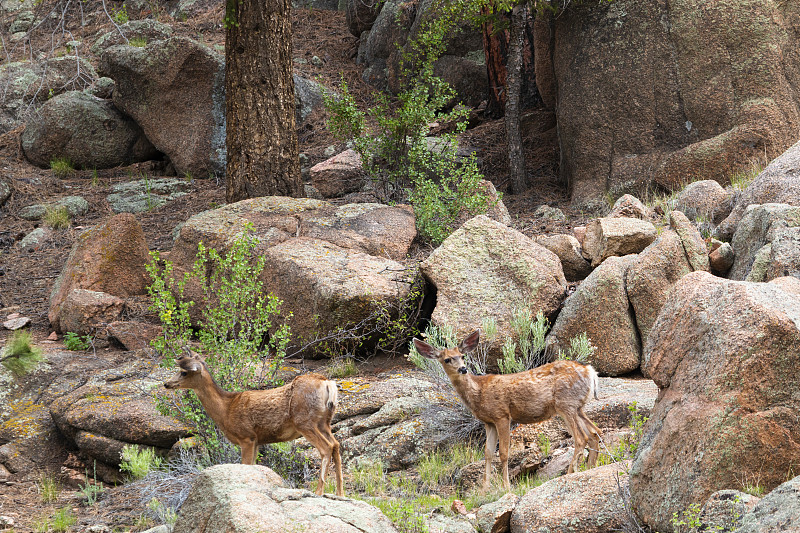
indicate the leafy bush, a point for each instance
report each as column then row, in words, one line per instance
column 19, row 356
column 240, row 330
column 403, row 163
column 138, row 462
column 76, row 343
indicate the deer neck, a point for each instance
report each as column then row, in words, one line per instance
column 215, row 400
column 466, row 388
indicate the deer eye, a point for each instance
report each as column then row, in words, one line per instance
column 447, row 360
column 183, row 374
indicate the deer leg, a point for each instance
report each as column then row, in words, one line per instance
column 325, row 449
column 504, row 431
column 594, row 438
column 249, row 450
column 580, row 442
column 336, row 456
column 491, row 444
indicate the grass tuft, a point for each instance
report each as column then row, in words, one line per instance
column 57, row 217
column 19, row 355
column 62, row 167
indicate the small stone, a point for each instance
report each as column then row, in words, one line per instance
column 16, row 323
column 580, row 233
column 53, row 336
column 316, row 61
column 13, row 316
column 6, row 522
column 458, row 507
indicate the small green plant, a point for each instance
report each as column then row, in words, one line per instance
column 19, row 355
column 77, row 343
column 580, row 349
column 440, row 467
column 139, row 42
column 545, row 446
column 404, row 514
column 95, row 178
column 169, row 516
column 56, row 217
column 369, row 477
column 91, row 490
column 138, row 462
column 48, row 488
column 687, row 521
column 120, row 14
column 62, row 167
column 342, row 367
column 60, row 522
column 742, row 178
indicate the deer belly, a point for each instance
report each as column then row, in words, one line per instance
column 278, row 435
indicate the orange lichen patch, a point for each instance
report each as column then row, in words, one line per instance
column 351, row 387
column 27, row 421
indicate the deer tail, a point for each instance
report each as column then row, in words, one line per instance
column 331, row 395
column 595, row 382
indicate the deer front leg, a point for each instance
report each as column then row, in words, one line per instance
column 504, row 432
column 491, row 444
column 249, row 450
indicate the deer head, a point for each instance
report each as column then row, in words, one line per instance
column 452, row 359
column 190, row 374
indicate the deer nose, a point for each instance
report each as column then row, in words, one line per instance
column 462, row 370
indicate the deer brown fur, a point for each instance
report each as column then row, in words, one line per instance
column 252, row 418
column 559, row 388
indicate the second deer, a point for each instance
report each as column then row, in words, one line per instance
column 251, row 418
column 559, row 388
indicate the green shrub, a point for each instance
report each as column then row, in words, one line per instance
column 138, row 462
column 342, row 367
column 91, row 490
column 240, row 330
column 19, row 356
column 57, row 217
column 61, row 521
column 120, row 14
column 77, row 343
column 62, row 167
column 48, row 488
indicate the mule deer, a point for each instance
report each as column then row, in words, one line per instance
column 561, row 387
column 251, row 418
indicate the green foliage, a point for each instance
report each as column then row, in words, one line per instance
column 169, row 516
column 742, row 178
column 580, row 349
column 687, row 521
column 76, row 343
column 57, row 217
column 20, row 356
column 120, row 14
column 441, row 467
column 139, row 42
column 545, row 446
column 48, row 488
column 62, row 167
column 629, row 444
column 91, row 490
column 95, row 178
column 404, row 514
column 240, row 330
column 138, row 462
column 61, row 521
column 397, row 154
column 369, row 477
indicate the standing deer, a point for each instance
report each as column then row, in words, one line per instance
column 252, row 418
column 561, row 387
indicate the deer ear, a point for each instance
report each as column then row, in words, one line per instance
column 471, row 342
column 425, row 349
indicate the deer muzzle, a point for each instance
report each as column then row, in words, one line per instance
column 462, row 370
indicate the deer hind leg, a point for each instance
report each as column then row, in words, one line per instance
column 491, row 444
column 335, row 455
column 580, row 438
column 504, row 432
column 594, row 435
column 325, row 449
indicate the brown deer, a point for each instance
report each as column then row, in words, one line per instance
column 252, row 418
column 561, row 387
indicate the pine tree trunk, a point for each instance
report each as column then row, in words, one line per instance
column 516, row 157
column 263, row 152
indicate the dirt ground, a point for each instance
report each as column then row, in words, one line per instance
column 27, row 277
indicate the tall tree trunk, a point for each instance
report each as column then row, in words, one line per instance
column 516, row 157
column 263, row 153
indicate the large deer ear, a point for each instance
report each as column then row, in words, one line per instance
column 471, row 342
column 189, row 364
column 425, row 349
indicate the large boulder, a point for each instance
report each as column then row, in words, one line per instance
column 600, row 308
column 87, row 130
column 108, row 258
column 568, row 250
column 331, row 266
column 653, row 92
column 584, row 502
column 338, row 175
column 114, row 408
column 175, row 90
column 723, row 354
column 778, row 183
column 86, row 312
column 488, row 269
column 245, row 498
column 146, row 30
column 772, row 230
column 705, row 200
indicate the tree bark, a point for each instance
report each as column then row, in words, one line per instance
column 516, row 157
column 263, row 152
